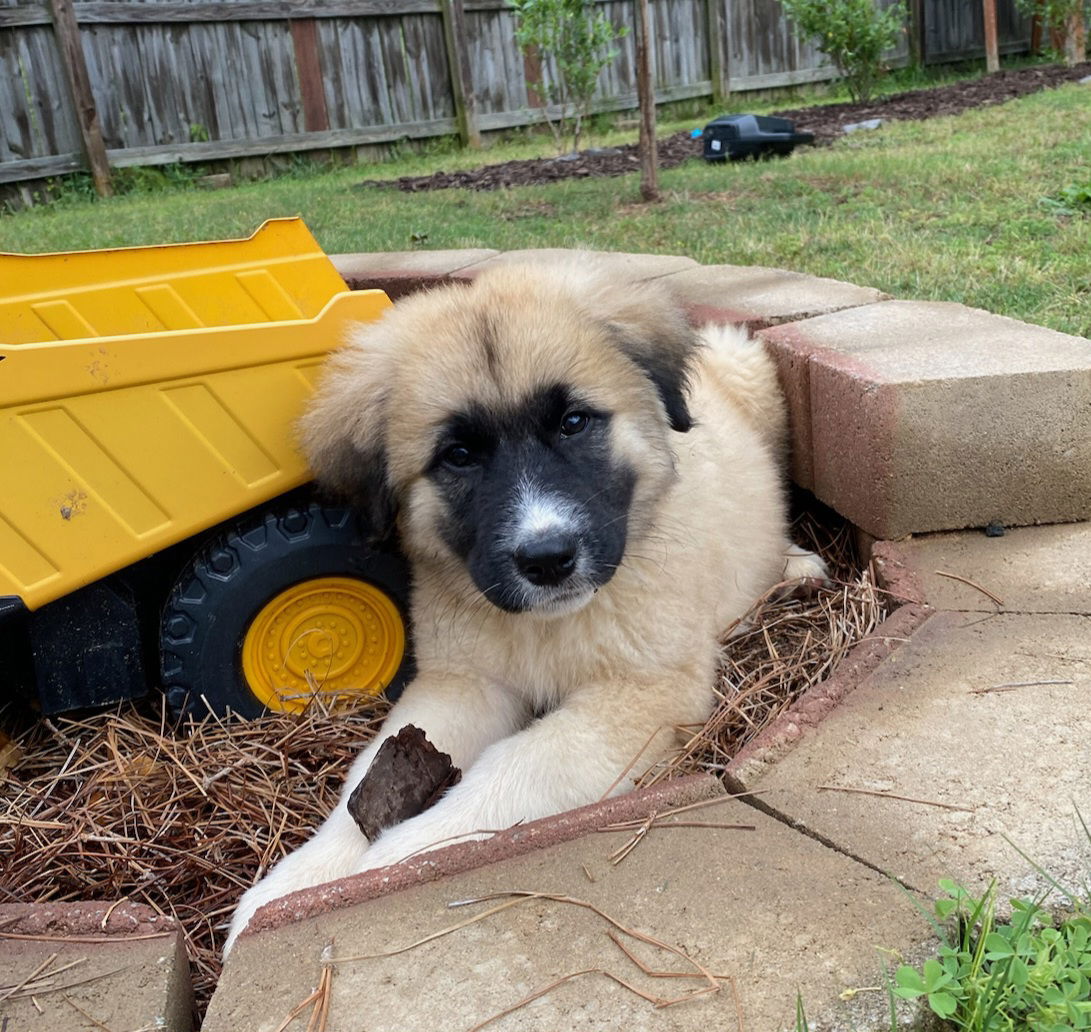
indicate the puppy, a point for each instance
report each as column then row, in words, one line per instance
column 589, row 493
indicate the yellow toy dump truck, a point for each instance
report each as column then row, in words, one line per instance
column 154, row 511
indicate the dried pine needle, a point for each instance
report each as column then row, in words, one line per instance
column 778, row 650
column 115, row 805
column 120, row 804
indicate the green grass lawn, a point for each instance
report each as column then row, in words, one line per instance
column 948, row 209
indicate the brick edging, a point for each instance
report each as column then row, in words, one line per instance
column 84, row 920
column 806, row 364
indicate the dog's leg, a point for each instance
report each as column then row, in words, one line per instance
column 459, row 718
column 566, row 759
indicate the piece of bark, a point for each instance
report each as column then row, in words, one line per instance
column 407, row 776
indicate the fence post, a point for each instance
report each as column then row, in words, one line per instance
column 532, row 71
column 918, row 47
column 645, row 89
column 458, row 60
column 1075, row 38
column 992, row 47
column 67, row 31
column 717, row 51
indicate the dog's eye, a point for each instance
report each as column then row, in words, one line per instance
column 574, row 423
column 458, row 456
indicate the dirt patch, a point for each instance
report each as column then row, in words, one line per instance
column 588, row 164
column 825, row 121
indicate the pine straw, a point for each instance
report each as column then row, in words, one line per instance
column 120, row 805
column 116, row 805
column 782, row 647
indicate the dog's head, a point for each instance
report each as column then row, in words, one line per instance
column 519, row 426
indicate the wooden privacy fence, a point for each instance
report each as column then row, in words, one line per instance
column 149, row 82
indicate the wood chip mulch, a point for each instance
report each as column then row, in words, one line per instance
column 826, row 121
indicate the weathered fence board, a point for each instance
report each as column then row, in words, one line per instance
column 953, row 30
column 680, row 43
column 30, row 67
column 762, row 45
column 191, row 83
column 196, row 80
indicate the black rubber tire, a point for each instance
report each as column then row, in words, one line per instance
column 227, row 583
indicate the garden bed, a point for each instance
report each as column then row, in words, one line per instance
column 825, row 121
column 120, row 805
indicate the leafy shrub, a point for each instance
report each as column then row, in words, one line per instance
column 1024, row 974
column 854, row 34
column 580, row 42
column 1063, row 20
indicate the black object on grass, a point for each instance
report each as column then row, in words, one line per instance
column 750, row 136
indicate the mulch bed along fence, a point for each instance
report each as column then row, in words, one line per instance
column 118, row 805
column 826, row 121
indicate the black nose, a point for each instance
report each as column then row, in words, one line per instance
column 547, row 560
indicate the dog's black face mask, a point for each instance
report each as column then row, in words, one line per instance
column 537, row 506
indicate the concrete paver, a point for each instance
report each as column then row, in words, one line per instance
column 915, row 416
column 776, row 910
column 635, row 266
column 404, row 272
column 128, row 969
column 760, row 297
column 1032, row 569
column 1000, row 763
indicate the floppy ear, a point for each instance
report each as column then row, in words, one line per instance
column 653, row 332
column 342, row 432
column 668, row 369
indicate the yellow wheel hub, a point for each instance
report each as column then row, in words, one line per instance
column 329, row 636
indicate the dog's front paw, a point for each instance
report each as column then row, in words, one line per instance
column 299, row 870
column 335, row 851
column 253, row 899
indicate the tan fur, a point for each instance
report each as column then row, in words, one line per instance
column 739, row 367
column 707, row 537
